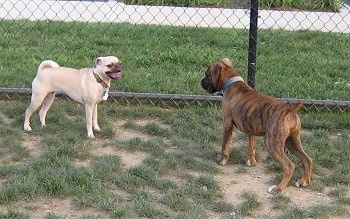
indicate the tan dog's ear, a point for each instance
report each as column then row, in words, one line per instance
column 97, row 62
column 227, row 62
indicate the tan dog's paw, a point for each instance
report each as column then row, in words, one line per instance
column 97, row 129
column 91, row 136
column 27, row 128
column 222, row 160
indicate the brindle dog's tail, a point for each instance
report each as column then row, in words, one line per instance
column 296, row 107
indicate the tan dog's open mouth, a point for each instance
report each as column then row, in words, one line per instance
column 114, row 75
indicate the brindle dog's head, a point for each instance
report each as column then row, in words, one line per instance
column 215, row 76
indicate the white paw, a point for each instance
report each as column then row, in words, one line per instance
column 299, row 184
column 27, row 128
column 272, row 189
column 91, row 136
column 97, row 129
column 248, row 163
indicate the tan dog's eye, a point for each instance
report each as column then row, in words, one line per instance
column 109, row 66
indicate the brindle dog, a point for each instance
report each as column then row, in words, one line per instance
column 258, row 115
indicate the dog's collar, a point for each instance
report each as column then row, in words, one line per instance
column 99, row 80
column 229, row 82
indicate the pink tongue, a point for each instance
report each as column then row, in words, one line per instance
column 115, row 75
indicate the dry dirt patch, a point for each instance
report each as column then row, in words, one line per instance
column 33, row 144
column 255, row 180
column 42, row 207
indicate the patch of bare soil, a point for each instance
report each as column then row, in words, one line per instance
column 33, row 144
column 42, row 207
column 255, row 180
column 5, row 118
column 127, row 133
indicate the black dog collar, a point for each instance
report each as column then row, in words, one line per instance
column 229, row 82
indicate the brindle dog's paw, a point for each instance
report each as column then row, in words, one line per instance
column 250, row 163
column 274, row 189
column 300, row 183
column 222, row 160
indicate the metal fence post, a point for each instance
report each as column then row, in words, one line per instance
column 253, row 30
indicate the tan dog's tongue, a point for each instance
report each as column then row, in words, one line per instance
column 115, row 75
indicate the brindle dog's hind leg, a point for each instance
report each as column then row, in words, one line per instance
column 275, row 147
column 293, row 144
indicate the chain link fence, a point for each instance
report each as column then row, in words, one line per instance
column 311, row 46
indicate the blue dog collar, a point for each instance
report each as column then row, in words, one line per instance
column 229, row 82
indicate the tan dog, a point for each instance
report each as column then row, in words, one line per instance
column 257, row 115
column 86, row 86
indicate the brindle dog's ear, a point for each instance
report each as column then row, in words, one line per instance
column 216, row 72
column 227, row 62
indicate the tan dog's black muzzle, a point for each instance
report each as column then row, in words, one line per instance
column 115, row 71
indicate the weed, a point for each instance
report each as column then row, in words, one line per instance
column 280, row 201
column 250, row 204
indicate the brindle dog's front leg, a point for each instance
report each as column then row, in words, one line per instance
column 250, row 161
column 226, row 141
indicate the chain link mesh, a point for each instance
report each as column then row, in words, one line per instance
column 270, row 23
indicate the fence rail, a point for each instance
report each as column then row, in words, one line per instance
column 177, row 99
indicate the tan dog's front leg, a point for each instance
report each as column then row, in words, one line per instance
column 94, row 119
column 226, row 141
column 250, row 161
column 89, row 112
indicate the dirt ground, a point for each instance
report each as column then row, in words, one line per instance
column 233, row 184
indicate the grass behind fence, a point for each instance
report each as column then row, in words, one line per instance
column 164, row 59
column 318, row 5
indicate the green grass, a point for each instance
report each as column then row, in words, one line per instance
column 250, row 204
column 176, row 179
column 171, row 60
column 319, row 5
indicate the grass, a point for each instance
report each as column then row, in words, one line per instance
column 250, row 204
column 178, row 176
column 172, row 60
column 177, row 179
column 319, row 5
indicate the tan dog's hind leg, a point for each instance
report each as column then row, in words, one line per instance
column 48, row 100
column 275, row 147
column 94, row 119
column 293, row 144
column 89, row 112
column 36, row 100
column 250, row 161
column 226, row 141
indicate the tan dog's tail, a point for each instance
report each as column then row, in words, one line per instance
column 47, row 64
column 296, row 107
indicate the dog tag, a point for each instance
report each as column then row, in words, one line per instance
column 105, row 95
